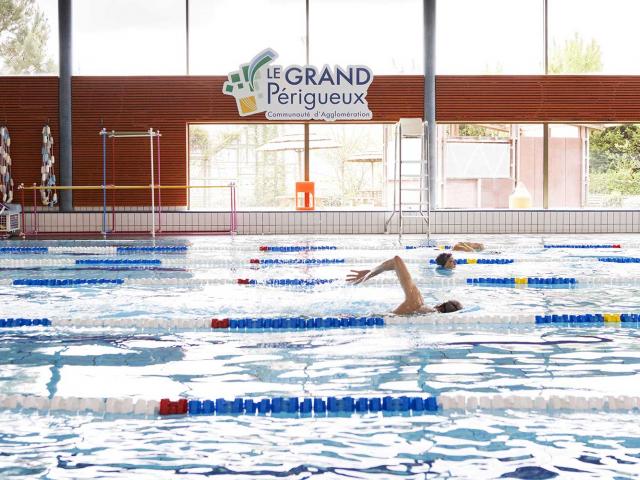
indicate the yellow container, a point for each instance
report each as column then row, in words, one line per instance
column 520, row 197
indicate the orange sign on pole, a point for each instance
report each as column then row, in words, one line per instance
column 305, row 196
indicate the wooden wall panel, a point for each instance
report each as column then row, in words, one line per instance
column 169, row 103
column 538, row 98
column 27, row 103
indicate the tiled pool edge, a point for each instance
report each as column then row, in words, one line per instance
column 352, row 222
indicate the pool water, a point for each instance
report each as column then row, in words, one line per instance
column 406, row 359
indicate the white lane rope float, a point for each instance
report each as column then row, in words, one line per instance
column 48, row 195
column 6, row 181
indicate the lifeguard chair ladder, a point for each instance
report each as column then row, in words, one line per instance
column 411, row 192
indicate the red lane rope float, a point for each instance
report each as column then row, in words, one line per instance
column 167, row 407
column 220, row 323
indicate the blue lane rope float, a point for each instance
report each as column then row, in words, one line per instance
column 58, row 282
column 158, row 249
column 479, row 261
column 26, row 250
column 118, row 262
column 24, row 322
column 615, row 245
column 296, row 248
column 619, row 259
column 297, row 261
column 522, row 281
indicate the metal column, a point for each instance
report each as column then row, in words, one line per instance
column 64, row 105
column 429, row 12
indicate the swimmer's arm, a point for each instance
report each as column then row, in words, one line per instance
column 359, row 276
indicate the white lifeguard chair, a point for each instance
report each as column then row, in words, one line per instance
column 411, row 192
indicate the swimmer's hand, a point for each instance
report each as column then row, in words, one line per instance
column 358, row 276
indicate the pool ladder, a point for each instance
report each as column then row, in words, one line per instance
column 411, row 176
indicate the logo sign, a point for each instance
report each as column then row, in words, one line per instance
column 300, row 92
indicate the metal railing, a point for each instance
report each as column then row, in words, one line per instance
column 110, row 212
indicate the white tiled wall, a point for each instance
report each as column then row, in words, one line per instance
column 347, row 222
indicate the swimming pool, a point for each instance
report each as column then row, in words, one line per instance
column 409, row 357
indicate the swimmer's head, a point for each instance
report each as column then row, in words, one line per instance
column 449, row 306
column 446, row 260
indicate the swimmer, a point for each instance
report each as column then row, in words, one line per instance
column 468, row 247
column 446, row 260
column 413, row 301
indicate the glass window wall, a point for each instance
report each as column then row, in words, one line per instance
column 129, row 37
column 614, row 166
column 226, row 33
column 489, row 37
column 347, row 164
column 385, row 36
column 591, row 36
column 479, row 165
column 264, row 161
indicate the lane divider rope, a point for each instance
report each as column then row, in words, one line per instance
column 189, row 262
column 172, row 249
column 321, row 406
column 450, row 281
column 261, row 323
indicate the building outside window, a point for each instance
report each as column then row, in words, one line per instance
column 480, row 165
column 247, row 155
column 347, row 164
column 614, row 166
